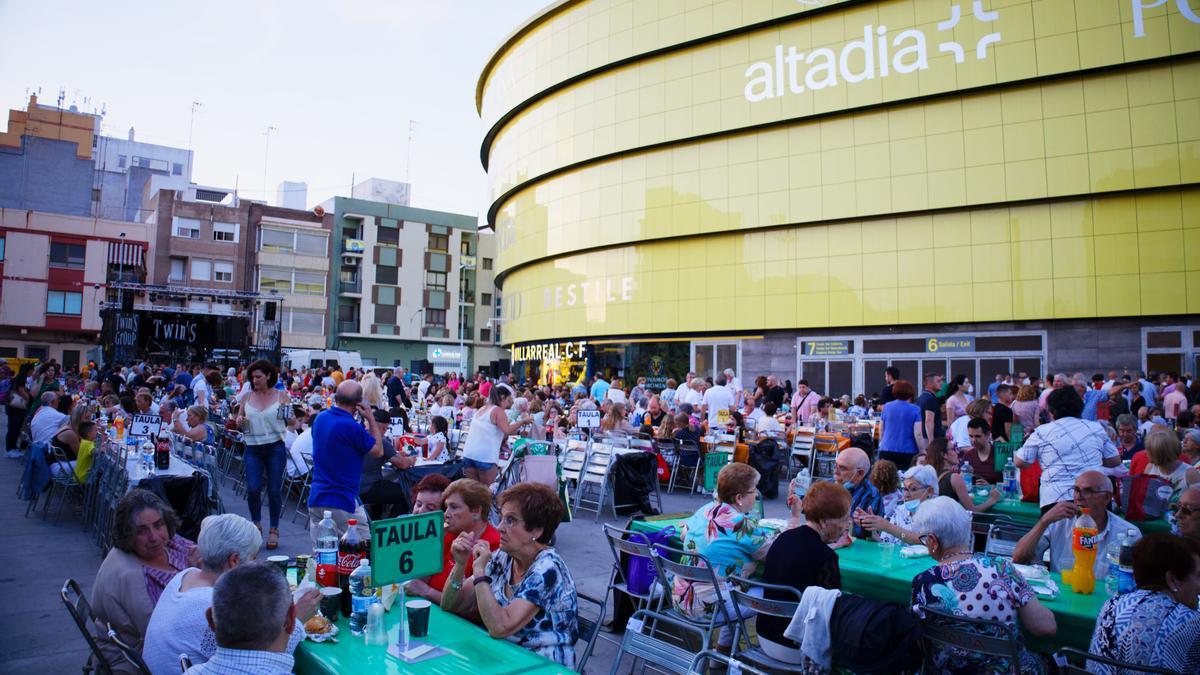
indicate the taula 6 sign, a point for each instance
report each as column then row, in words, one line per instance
column 406, row 547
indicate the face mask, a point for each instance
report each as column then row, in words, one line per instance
column 849, row 485
column 970, row 389
column 912, row 505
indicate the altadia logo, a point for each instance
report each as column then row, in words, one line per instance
column 793, row 71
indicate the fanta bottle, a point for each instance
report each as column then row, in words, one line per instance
column 119, row 425
column 1082, row 577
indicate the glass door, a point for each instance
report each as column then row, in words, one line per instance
column 710, row 358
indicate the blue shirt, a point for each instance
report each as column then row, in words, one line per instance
column 898, row 420
column 339, row 444
column 184, row 377
column 1149, row 392
column 992, row 392
column 1090, row 398
column 600, row 390
column 866, row 497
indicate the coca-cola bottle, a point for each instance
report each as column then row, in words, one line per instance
column 351, row 550
column 162, row 452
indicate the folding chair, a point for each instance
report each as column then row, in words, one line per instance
column 976, row 636
column 687, row 457
column 81, row 612
column 62, row 479
column 802, row 450
column 589, row 629
column 705, row 660
column 573, row 460
column 981, row 524
column 1002, row 539
column 632, row 544
column 666, row 656
column 1065, row 657
column 594, row 479
column 671, row 566
column 131, row 655
column 744, row 599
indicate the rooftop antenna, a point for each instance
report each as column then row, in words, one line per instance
column 412, row 125
column 62, row 96
column 266, row 154
column 192, row 122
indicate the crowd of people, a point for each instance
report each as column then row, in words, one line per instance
column 353, row 433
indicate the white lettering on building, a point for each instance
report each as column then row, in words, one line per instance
column 1139, row 21
column 588, row 293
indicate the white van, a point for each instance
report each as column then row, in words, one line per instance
column 317, row 358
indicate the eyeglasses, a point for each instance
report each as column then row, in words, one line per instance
column 917, row 489
column 509, row 521
column 1088, row 493
column 1184, row 510
column 924, row 538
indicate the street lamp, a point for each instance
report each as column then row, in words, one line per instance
column 462, row 314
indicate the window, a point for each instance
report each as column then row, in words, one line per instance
column 386, row 275
column 304, row 322
column 439, row 242
column 176, row 169
column 223, row 272
column 435, row 280
column 386, row 295
column 485, row 334
column 121, row 159
column 389, row 235
column 188, row 228
column 435, row 317
column 69, row 256
column 312, row 244
column 201, row 270
column 64, row 302
column 385, row 314
column 178, row 269
column 276, row 241
column 225, row 232
column 386, row 255
column 487, row 263
column 310, row 283
column 271, row 279
column 1, row 249
column 486, row 299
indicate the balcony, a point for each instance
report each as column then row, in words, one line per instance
column 350, row 287
column 347, row 326
column 353, row 246
column 467, row 297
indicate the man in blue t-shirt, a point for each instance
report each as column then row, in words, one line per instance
column 599, row 388
column 339, row 445
column 931, row 408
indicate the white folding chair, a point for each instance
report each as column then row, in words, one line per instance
column 802, row 450
column 594, row 480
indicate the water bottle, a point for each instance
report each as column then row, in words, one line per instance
column 1012, row 480
column 968, row 476
column 801, row 483
column 362, row 596
column 1113, row 556
column 147, row 452
column 326, row 553
column 1125, row 582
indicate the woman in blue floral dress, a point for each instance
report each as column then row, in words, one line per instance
column 975, row 586
column 724, row 532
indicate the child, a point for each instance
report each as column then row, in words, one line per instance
column 685, row 430
column 87, row 446
column 436, row 446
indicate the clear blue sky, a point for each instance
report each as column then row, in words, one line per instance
column 339, row 81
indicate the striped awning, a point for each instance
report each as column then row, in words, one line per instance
column 124, row 253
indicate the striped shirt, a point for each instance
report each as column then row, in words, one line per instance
column 1066, row 448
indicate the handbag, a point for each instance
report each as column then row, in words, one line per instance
column 639, row 571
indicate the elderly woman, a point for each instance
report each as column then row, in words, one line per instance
column 146, row 555
column 193, row 423
column 428, row 493
column 803, row 556
column 466, row 505
column 1162, row 452
column 726, row 533
column 945, row 461
column 973, row 585
column 920, row 484
column 178, row 624
column 524, row 592
column 1157, row 625
column 1191, row 448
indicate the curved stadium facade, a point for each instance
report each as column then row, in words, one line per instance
column 821, row 188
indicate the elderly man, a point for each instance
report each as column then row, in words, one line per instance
column 851, row 469
column 1060, row 380
column 774, row 393
column 1128, row 441
column 1092, row 490
column 717, row 398
column 46, row 420
column 1187, row 513
column 252, row 616
column 1065, row 448
column 339, row 445
column 734, row 385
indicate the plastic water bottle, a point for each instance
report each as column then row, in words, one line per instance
column 801, row 482
column 362, row 596
column 147, row 456
column 326, row 552
column 1125, row 582
column 1012, row 481
column 1113, row 556
column 968, row 475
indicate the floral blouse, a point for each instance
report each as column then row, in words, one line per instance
column 979, row 587
column 729, row 539
column 1148, row 628
column 548, row 584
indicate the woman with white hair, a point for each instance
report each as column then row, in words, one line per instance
column 920, row 484
column 178, row 624
column 973, row 585
column 372, row 389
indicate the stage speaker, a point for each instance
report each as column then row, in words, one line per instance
column 505, row 366
column 126, row 300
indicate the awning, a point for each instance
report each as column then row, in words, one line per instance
column 124, row 253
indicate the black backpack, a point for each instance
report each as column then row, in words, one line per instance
column 873, row 636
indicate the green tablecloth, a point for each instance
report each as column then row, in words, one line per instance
column 471, row 651
column 1026, row 514
column 865, row 571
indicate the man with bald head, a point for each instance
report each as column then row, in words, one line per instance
column 340, row 442
column 850, row 470
column 1187, row 513
column 1093, row 491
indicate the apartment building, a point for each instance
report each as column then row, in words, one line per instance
column 56, row 270
column 291, row 258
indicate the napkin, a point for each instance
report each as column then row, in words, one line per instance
column 914, row 551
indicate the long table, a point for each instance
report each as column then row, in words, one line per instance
column 471, row 651
column 1026, row 514
column 866, row 571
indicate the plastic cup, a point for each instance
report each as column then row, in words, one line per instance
column 418, row 617
column 280, row 561
column 331, row 602
column 888, row 550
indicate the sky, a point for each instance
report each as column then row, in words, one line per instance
column 339, row 81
